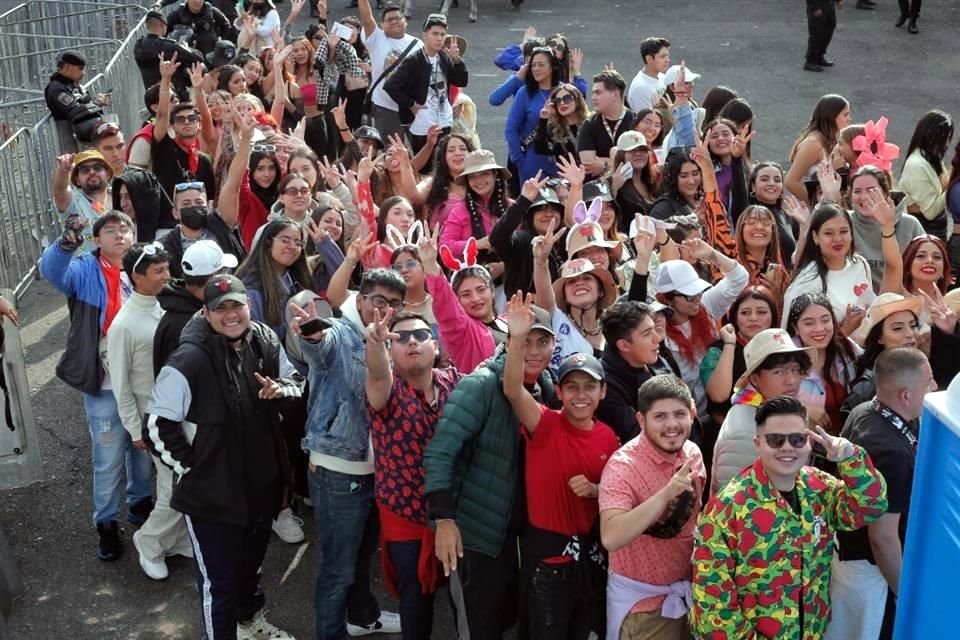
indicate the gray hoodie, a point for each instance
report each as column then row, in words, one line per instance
column 866, row 238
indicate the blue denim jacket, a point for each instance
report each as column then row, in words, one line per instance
column 337, row 420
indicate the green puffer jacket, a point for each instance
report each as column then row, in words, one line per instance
column 472, row 462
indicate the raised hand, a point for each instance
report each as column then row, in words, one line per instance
column 270, row 389
column 65, row 163
column 340, row 114
column 829, row 181
column 247, row 126
column 680, row 87
column 879, row 207
column 548, row 110
column 837, row 448
column 359, row 248
column 570, row 170
column 528, row 34
column 196, row 75
column 520, row 318
column 797, row 210
column 428, row 249
column 301, row 315
column 378, row 330
column 543, row 245
column 941, row 315
column 576, row 62
column 680, row 482
column 72, row 236
column 433, row 134
column 453, row 49
column 728, row 334
column 701, row 154
column 365, row 166
column 168, row 67
column 531, row 186
column 697, row 248
column 331, row 174
column 8, row 310
column 281, row 56
column 645, row 240
column 740, row 141
column 317, row 233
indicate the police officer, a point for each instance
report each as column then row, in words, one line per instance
column 207, row 23
column 148, row 49
column 69, row 103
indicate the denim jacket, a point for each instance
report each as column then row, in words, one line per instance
column 337, row 420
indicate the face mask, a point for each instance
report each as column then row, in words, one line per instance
column 193, row 217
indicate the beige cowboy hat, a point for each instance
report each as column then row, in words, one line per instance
column 479, row 161
column 765, row 344
column 461, row 42
column 587, row 234
column 882, row 307
column 578, row 267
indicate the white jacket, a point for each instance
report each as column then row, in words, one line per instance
column 734, row 449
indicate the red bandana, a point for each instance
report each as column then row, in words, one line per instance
column 192, row 149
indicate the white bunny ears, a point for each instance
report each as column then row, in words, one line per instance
column 395, row 238
column 581, row 214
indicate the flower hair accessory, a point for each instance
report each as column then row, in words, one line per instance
column 581, row 214
column 396, row 239
column 873, row 146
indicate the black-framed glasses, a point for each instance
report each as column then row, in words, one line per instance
column 409, row 265
column 264, row 148
column 776, row 440
column 84, row 169
column 564, row 99
column 380, row 302
column 147, row 250
column 190, row 117
column 420, row 335
column 694, row 298
column 294, row 191
column 186, row 186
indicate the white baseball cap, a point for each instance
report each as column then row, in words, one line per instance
column 205, row 258
column 680, row 276
column 670, row 76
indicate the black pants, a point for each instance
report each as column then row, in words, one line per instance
column 227, row 559
column 558, row 608
column 418, row 142
column 490, row 591
column 820, row 32
column 910, row 8
column 322, row 136
column 416, row 607
column 362, row 606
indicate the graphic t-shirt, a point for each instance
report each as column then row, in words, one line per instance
column 383, row 52
column 569, row 339
column 437, row 109
column 87, row 209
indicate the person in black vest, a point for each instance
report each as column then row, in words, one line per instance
column 206, row 25
column 148, row 49
column 197, row 222
column 69, row 102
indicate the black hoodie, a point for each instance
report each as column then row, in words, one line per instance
column 151, row 206
column 179, row 306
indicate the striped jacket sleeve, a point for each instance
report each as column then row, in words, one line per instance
column 164, row 424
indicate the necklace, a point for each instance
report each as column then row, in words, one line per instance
column 587, row 332
column 426, row 299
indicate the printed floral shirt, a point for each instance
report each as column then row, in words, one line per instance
column 755, row 560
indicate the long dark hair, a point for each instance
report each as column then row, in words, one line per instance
column 839, row 346
column 442, row 178
column 498, row 198
column 258, row 9
column 227, row 71
column 872, row 347
column 715, row 100
column 811, row 251
column 752, row 181
column 677, row 157
column 646, row 174
column 643, row 113
column 823, row 121
column 739, row 111
column 729, row 124
column 556, row 72
column 755, row 292
column 267, row 195
column 258, row 271
column 358, row 46
column 932, row 137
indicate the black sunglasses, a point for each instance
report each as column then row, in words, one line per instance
column 420, row 335
column 193, row 117
column 564, row 99
column 776, row 440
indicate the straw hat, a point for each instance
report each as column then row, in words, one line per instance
column 765, row 344
column 881, row 308
column 952, row 300
column 479, row 161
column 578, row 267
column 461, row 43
column 586, row 234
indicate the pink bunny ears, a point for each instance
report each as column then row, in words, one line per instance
column 581, row 214
column 469, row 256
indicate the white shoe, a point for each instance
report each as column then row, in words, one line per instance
column 389, row 622
column 155, row 570
column 288, row 527
column 260, row 629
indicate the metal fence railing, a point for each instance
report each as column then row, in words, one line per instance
column 31, row 36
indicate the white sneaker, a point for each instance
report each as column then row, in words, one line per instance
column 155, row 570
column 288, row 527
column 389, row 622
column 260, row 629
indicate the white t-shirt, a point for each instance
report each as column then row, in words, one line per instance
column 851, row 285
column 569, row 339
column 644, row 91
column 438, row 110
column 383, row 51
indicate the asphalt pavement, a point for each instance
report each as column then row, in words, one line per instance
column 755, row 47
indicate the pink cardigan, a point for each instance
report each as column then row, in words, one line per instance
column 458, row 228
column 467, row 341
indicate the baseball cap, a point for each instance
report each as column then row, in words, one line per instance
column 680, row 276
column 630, row 140
column 223, row 52
column 541, row 320
column 153, row 14
column 765, row 344
column 584, row 362
column 671, row 75
column 205, row 258
column 223, row 288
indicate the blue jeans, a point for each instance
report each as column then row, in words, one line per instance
column 112, row 451
column 347, row 527
column 416, row 607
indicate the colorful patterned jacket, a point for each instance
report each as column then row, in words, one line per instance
column 755, row 560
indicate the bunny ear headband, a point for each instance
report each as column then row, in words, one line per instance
column 469, row 256
column 581, row 214
column 396, row 239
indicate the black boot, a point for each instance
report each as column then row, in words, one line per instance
column 902, row 20
column 138, row 513
column 866, row 4
column 912, row 27
column 812, row 66
column 108, row 549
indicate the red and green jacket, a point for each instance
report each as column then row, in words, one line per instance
column 755, row 561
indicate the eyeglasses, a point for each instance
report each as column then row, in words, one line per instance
column 758, row 222
column 187, row 186
column 294, row 191
column 265, row 148
column 409, row 265
column 288, row 241
column 564, row 99
column 190, row 117
column 420, row 335
column 90, row 168
column 776, row 440
column 115, row 232
column 695, row 298
column 394, row 19
column 379, row 302
column 148, row 250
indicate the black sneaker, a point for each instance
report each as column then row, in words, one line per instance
column 823, row 62
column 108, row 549
column 812, row 66
column 902, row 20
column 138, row 512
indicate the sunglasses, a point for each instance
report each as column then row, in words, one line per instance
column 148, row 250
column 564, row 99
column 265, row 148
column 294, row 191
column 90, row 168
column 559, row 46
column 776, row 440
column 420, row 335
column 379, row 302
column 192, row 117
column 186, row 186
column 409, row 265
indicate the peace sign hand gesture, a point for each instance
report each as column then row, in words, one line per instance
column 680, row 87
column 837, row 448
column 941, row 315
column 531, row 187
column 543, row 245
column 740, row 141
column 360, row 247
column 378, row 331
column 428, row 249
column 645, row 240
column 365, row 166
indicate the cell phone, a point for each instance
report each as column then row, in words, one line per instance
column 313, row 325
column 341, row 30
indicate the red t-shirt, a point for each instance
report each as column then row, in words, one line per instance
column 251, row 215
column 556, row 452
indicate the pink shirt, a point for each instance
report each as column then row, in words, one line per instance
column 467, row 341
column 634, row 473
column 458, row 228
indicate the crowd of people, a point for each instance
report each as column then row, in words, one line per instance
column 632, row 383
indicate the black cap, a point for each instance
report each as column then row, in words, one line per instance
column 544, row 197
column 223, row 288
column 369, row 133
column 584, row 362
column 223, row 52
column 597, row 189
column 71, row 57
column 153, row 14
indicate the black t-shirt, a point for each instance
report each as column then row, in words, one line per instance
column 171, row 167
column 894, row 456
column 594, row 136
